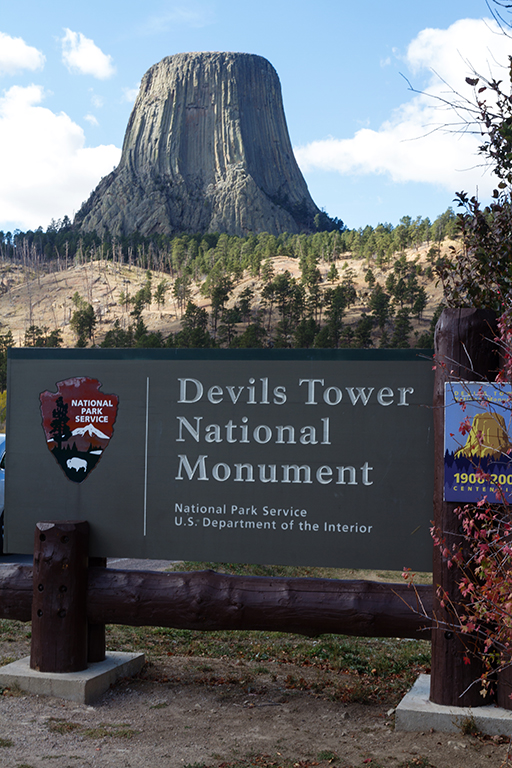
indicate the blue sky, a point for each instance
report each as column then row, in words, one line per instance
column 69, row 75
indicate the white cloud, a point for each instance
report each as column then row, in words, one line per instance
column 412, row 145
column 179, row 15
column 82, row 55
column 91, row 119
column 16, row 55
column 96, row 101
column 130, row 94
column 47, row 171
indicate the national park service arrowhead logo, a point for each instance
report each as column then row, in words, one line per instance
column 78, row 422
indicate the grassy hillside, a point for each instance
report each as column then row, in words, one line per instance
column 44, row 296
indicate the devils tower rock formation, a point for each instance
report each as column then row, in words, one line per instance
column 206, row 150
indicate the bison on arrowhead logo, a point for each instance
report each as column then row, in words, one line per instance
column 78, row 422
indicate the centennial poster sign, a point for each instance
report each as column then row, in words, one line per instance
column 478, row 442
column 285, row 457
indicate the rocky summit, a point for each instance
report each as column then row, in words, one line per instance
column 206, row 149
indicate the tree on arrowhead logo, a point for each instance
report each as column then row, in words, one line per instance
column 78, row 422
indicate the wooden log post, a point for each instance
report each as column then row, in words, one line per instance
column 59, row 601
column 464, row 350
column 96, row 644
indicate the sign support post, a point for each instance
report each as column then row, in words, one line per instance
column 59, row 616
column 464, row 350
column 96, row 645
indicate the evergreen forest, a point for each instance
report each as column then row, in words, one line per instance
column 276, row 308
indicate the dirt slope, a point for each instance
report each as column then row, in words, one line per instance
column 45, row 299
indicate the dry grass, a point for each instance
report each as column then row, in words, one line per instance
column 42, row 299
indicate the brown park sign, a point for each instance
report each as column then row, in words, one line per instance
column 320, row 457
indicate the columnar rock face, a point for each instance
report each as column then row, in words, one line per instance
column 206, row 150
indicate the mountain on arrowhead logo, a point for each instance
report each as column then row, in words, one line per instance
column 78, row 422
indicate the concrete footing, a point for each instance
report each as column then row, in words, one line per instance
column 417, row 713
column 83, row 687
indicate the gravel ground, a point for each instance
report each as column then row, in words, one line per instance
column 201, row 712
column 198, row 712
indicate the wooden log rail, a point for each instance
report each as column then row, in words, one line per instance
column 206, row 600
